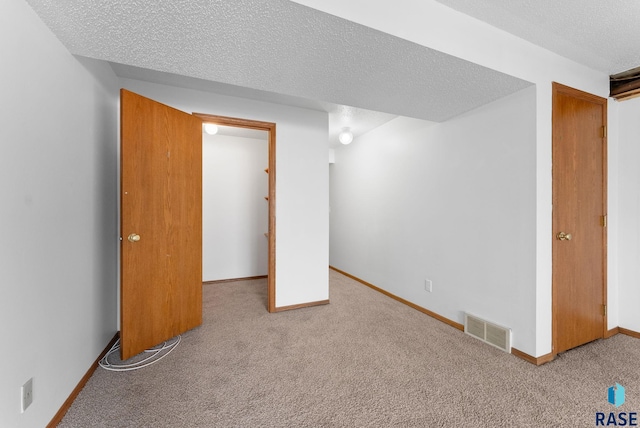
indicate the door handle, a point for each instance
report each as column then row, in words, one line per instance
column 134, row 237
column 561, row 236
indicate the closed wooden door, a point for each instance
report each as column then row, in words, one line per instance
column 579, row 208
column 161, row 223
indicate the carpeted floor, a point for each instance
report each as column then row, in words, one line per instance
column 365, row 360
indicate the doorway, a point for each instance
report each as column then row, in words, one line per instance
column 270, row 170
column 579, row 147
column 234, row 204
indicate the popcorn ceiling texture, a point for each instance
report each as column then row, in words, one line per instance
column 600, row 34
column 280, row 47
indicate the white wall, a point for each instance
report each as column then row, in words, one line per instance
column 302, row 183
column 452, row 202
column 436, row 26
column 629, row 217
column 235, row 214
column 58, row 215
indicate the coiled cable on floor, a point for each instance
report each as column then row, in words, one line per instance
column 155, row 354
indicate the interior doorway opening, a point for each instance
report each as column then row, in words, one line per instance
column 246, row 205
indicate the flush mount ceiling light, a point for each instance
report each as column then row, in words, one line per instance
column 346, row 136
column 210, row 128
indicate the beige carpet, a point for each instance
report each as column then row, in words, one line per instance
column 365, row 360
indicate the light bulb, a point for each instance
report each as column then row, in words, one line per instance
column 346, row 136
column 210, row 128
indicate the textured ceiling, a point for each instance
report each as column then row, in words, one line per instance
column 358, row 120
column 279, row 47
column 603, row 35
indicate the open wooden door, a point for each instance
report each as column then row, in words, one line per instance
column 161, row 223
column 579, row 209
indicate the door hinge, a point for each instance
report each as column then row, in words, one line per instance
column 604, row 131
column 604, row 220
column 604, row 310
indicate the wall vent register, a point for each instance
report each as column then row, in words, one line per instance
column 493, row 334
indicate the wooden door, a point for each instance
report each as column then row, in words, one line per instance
column 579, row 208
column 161, row 223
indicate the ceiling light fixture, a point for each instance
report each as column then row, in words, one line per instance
column 210, row 128
column 346, row 136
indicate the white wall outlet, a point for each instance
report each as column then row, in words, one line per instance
column 428, row 285
column 26, row 395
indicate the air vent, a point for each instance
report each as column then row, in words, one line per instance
column 490, row 333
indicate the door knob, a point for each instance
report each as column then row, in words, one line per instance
column 134, row 237
column 563, row 236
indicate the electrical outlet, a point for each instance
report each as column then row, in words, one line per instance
column 26, row 394
column 428, row 285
